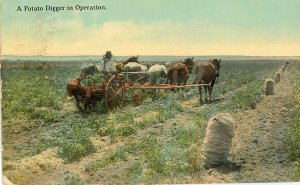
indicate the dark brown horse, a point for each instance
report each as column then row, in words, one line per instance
column 206, row 73
column 132, row 59
column 178, row 71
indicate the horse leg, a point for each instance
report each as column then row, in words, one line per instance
column 209, row 93
column 174, row 79
column 210, row 88
column 181, row 89
column 186, row 89
column 200, row 92
column 175, row 72
column 205, row 88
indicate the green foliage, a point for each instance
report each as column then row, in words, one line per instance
column 26, row 65
column 46, row 167
column 158, row 158
column 72, row 179
column 167, row 159
column 40, row 147
column 244, row 98
column 23, row 96
column 120, row 153
column 296, row 169
column 235, row 75
column 126, row 130
column 92, row 167
column 237, row 79
column 94, row 79
column 135, row 172
column 98, row 106
column 73, row 139
column 24, row 91
column 123, row 124
column 73, row 150
column 108, row 128
column 37, row 93
column 294, row 131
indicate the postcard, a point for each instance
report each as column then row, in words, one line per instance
column 150, row 92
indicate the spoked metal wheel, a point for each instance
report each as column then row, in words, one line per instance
column 114, row 93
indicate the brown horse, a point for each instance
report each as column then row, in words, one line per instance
column 178, row 71
column 206, row 73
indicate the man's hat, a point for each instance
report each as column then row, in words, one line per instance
column 108, row 53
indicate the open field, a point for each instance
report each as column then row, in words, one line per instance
column 46, row 139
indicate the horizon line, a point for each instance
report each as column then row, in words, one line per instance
column 149, row 55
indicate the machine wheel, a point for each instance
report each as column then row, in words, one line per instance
column 114, row 93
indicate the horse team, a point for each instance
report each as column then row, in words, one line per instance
column 175, row 73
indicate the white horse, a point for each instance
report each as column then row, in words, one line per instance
column 157, row 74
column 134, row 67
column 136, row 77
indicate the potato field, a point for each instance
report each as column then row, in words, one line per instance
column 47, row 139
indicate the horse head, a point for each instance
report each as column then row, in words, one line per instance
column 133, row 59
column 120, row 67
column 217, row 65
column 189, row 62
column 72, row 85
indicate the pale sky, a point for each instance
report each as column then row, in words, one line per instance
column 157, row 27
